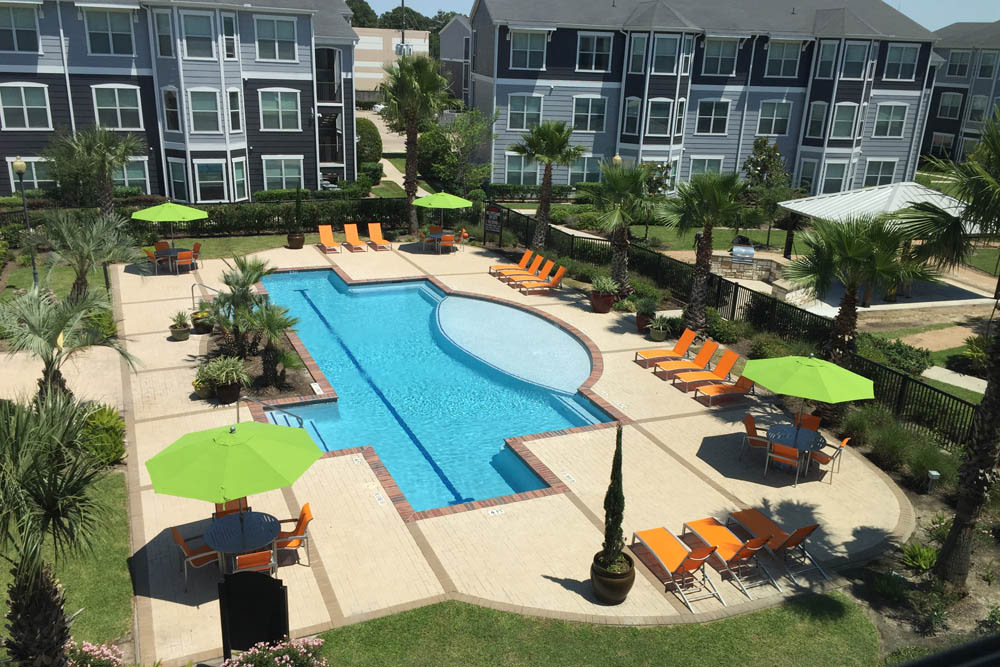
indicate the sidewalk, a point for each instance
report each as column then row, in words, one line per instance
column 969, row 382
column 396, row 176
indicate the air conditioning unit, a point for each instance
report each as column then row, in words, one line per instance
column 404, row 49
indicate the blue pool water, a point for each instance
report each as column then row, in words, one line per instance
column 436, row 415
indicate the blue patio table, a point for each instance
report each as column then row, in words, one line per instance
column 242, row 532
column 803, row 439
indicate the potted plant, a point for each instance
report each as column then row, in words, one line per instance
column 659, row 327
column 227, row 376
column 645, row 309
column 180, row 329
column 296, row 238
column 613, row 572
column 603, row 292
column 203, row 384
column 201, row 321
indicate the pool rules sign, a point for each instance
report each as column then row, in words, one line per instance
column 492, row 222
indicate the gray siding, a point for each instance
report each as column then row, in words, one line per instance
column 452, row 40
column 484, row 42
column 281, row 143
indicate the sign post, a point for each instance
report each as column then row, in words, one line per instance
column 492, row 223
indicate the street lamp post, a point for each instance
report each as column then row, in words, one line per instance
column 19, row 166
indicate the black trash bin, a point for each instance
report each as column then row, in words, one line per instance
column 254, row 609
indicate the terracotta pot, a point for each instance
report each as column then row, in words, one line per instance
column 295, row 241
column 180, row 333
column 611, row 587
column 601, row 303
column 228, row 393
column 658, row 335
column 641, row 322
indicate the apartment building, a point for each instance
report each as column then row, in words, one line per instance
column 840, row 87
column 966, row 88
column 229, row 98
column 456, row 57
column 379, row 47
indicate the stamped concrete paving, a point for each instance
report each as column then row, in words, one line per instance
column 531, row 556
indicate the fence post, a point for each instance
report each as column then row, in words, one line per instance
column 901, row 396
column 572, row 246
column 736, row 293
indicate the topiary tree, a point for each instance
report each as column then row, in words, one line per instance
column 369, row 141
column 614, row 513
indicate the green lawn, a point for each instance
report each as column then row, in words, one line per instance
column 400, row 163
column 721, row 238
column 967, row 394
column 940, row 357
column 388, row 189
column 96, row 581
column 59, row 278
column 910, row 331
column 985, row 259
column 810, row 630
column 230, row 246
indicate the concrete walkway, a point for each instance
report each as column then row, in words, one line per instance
column 396, row 176
column 942, row 374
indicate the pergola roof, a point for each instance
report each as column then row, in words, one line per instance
column 877, row 200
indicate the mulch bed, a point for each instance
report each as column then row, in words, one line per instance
column 297, row 382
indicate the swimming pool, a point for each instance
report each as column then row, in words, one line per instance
column 435, row 406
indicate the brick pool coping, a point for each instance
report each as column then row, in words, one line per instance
column 554, row 485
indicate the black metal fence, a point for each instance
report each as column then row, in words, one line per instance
column 918, row 405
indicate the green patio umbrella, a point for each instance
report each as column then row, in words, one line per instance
column 442, row 200
column 169, row 212
column 809, row 378
column 222, row 464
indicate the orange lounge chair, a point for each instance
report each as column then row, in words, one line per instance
column 718, row 374
column 298, row 536
column 665, row 369
column 195, row 556
column 258, row 561
column 540, row 286
column 828, row 459
column 685, row 567
column 375, row 234
column 742, row 387
column 810, row 422
column 353, row 243
column 791, row 547
column 523, row 264
column 751, row 438
column 542, row 276
column 732, row 555
column 502, row 274
column 647, row 358
column 326, row 241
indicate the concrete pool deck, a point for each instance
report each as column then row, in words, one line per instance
column 531, row 556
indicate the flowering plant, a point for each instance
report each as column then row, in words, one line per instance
column 288, row 653
column 93, row 655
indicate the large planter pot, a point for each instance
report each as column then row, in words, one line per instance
column 641, row 322
column 611, row 587
column 180, row 333
column 228, row 393
column 601, row 303
column 204, row 391
column 658, row 335
column 295, row 241
column 202, row 325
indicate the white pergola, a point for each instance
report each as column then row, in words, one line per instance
column 876, row 200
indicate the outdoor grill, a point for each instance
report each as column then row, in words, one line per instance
column 742, row 254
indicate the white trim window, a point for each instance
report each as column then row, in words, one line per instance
column 19, row 30
column 889, row 121
column 177, row 175
column 524, row 111
column 879, row 172
column 37, row 175
column 782, row 59
column 901, row 62
column 527, row 49
column 687, row 55
column 665, row 54
column 950, row 106
column 855, row 59
column 942, row 144
column 706, row 164
column 234, row 106
column 210, row 180
column 204, row 111
column 637, row 54
column 807, row 174
column 988, row 65
column 816, row 125
column 631, row 124
column 118, row 106
column 719, row 58
column 958, row 63
column 199, row 37
column 171, row 109
column 593, row 52
column 109, row 32
column 230, row 37
column 276, row 38
column 834, row 174
column 164, row 27
column 589, row 113
column 827, row 60
column 977, row 108
column 968, row 147
column 279, row 110
column 844, row 117
column 773, row 118
column 134, row 174
column 658, row 117
column 25, row 106
column 520, row 170
column 240, row 189
column 713, row 117
column 679, row 122
column 282, row 172
column 586, row 169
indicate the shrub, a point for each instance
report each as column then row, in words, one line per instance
column 369, row 141
column 104, row 435
column 104, row 321
column 604, row 285
column 509, row 191
column 223, row 371
column 644, row 288
column 860, row 422
column 373, row 171
column 11, row 234
column 674, row 326
column 38, row 193
column 888, row 445
column 10, row 202
column 925, row 455
column 433, row 148
column 93, row 655
column 646, row 306
column 976, row 353
column 125, row 191
column 624, row 306
column 767, row 346
column 939, row 528
column 566, row 213
column 894, row 353
column 725, row 331
column 3, row 253
column 889, row 586
column 288, row 653
column 991, row 624
column 919, row 557
column 365, row 105
column 931, row 607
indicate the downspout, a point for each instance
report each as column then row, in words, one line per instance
column 158, row 94
column 182, row 110
column 493, row 106
column 65, row 62
column 805, row 113
column 621, row 94
column 220, row 45
column 831, row 108
column 687, row 101
column 746, row 103
column 315, row 105
column 677, row 94
column 644, row 107
column 859, row 121
column 919, row 122
column 354, row 116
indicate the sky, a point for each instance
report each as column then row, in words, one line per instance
column 932, row 14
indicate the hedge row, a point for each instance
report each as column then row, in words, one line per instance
column 504, row 191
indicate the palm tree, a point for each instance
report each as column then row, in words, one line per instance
column 55, row 331
column 705, row 201
column 270, row 322
column 548, row 143
column 232, row 310
column 84, row 243
column 93, row 155
column 413, row 92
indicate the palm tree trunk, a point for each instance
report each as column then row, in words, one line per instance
column 106, row 194
column 694, row 316
column 789, row 240
column 976, row 477
column 52, row 380
column 619, row 260
column 841, row 341
column 544, row 203
column 80, row 287
column 410, row 177
column 269, row 365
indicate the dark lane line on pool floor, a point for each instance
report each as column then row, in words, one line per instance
column 385, row 401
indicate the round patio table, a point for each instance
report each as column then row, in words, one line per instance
column 171, row 252
column 802, row 439
column 242, row 532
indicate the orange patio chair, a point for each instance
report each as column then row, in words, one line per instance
column 732, row 555
column 230, row 507
column 160, row 245
column 810, row 422
column 185, row 258
column 686, row 568
column 447, row 241
column 375, row 234
column 541, row 286
column 783, row 454
column 742, row 387
column 718, row 374
column 435, row 229
column 196, row 251
column 647, row 358
column 522, row 264
column 352, row 242
column 502, row 274
column 156, row 261
column 194, row 556
column 258, row 561
column 299, row 535
column 828, row 459
column 790, row 547
column 326, row 241
column 543, row 275
column 665, row 369
column 751, row 438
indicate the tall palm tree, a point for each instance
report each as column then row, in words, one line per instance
column 92, row 155
column 270, row 322
column 86, row 242
column 232, row 310
column 413, row 92
column 54, row 331
column 548, row 143
column 706, row 201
